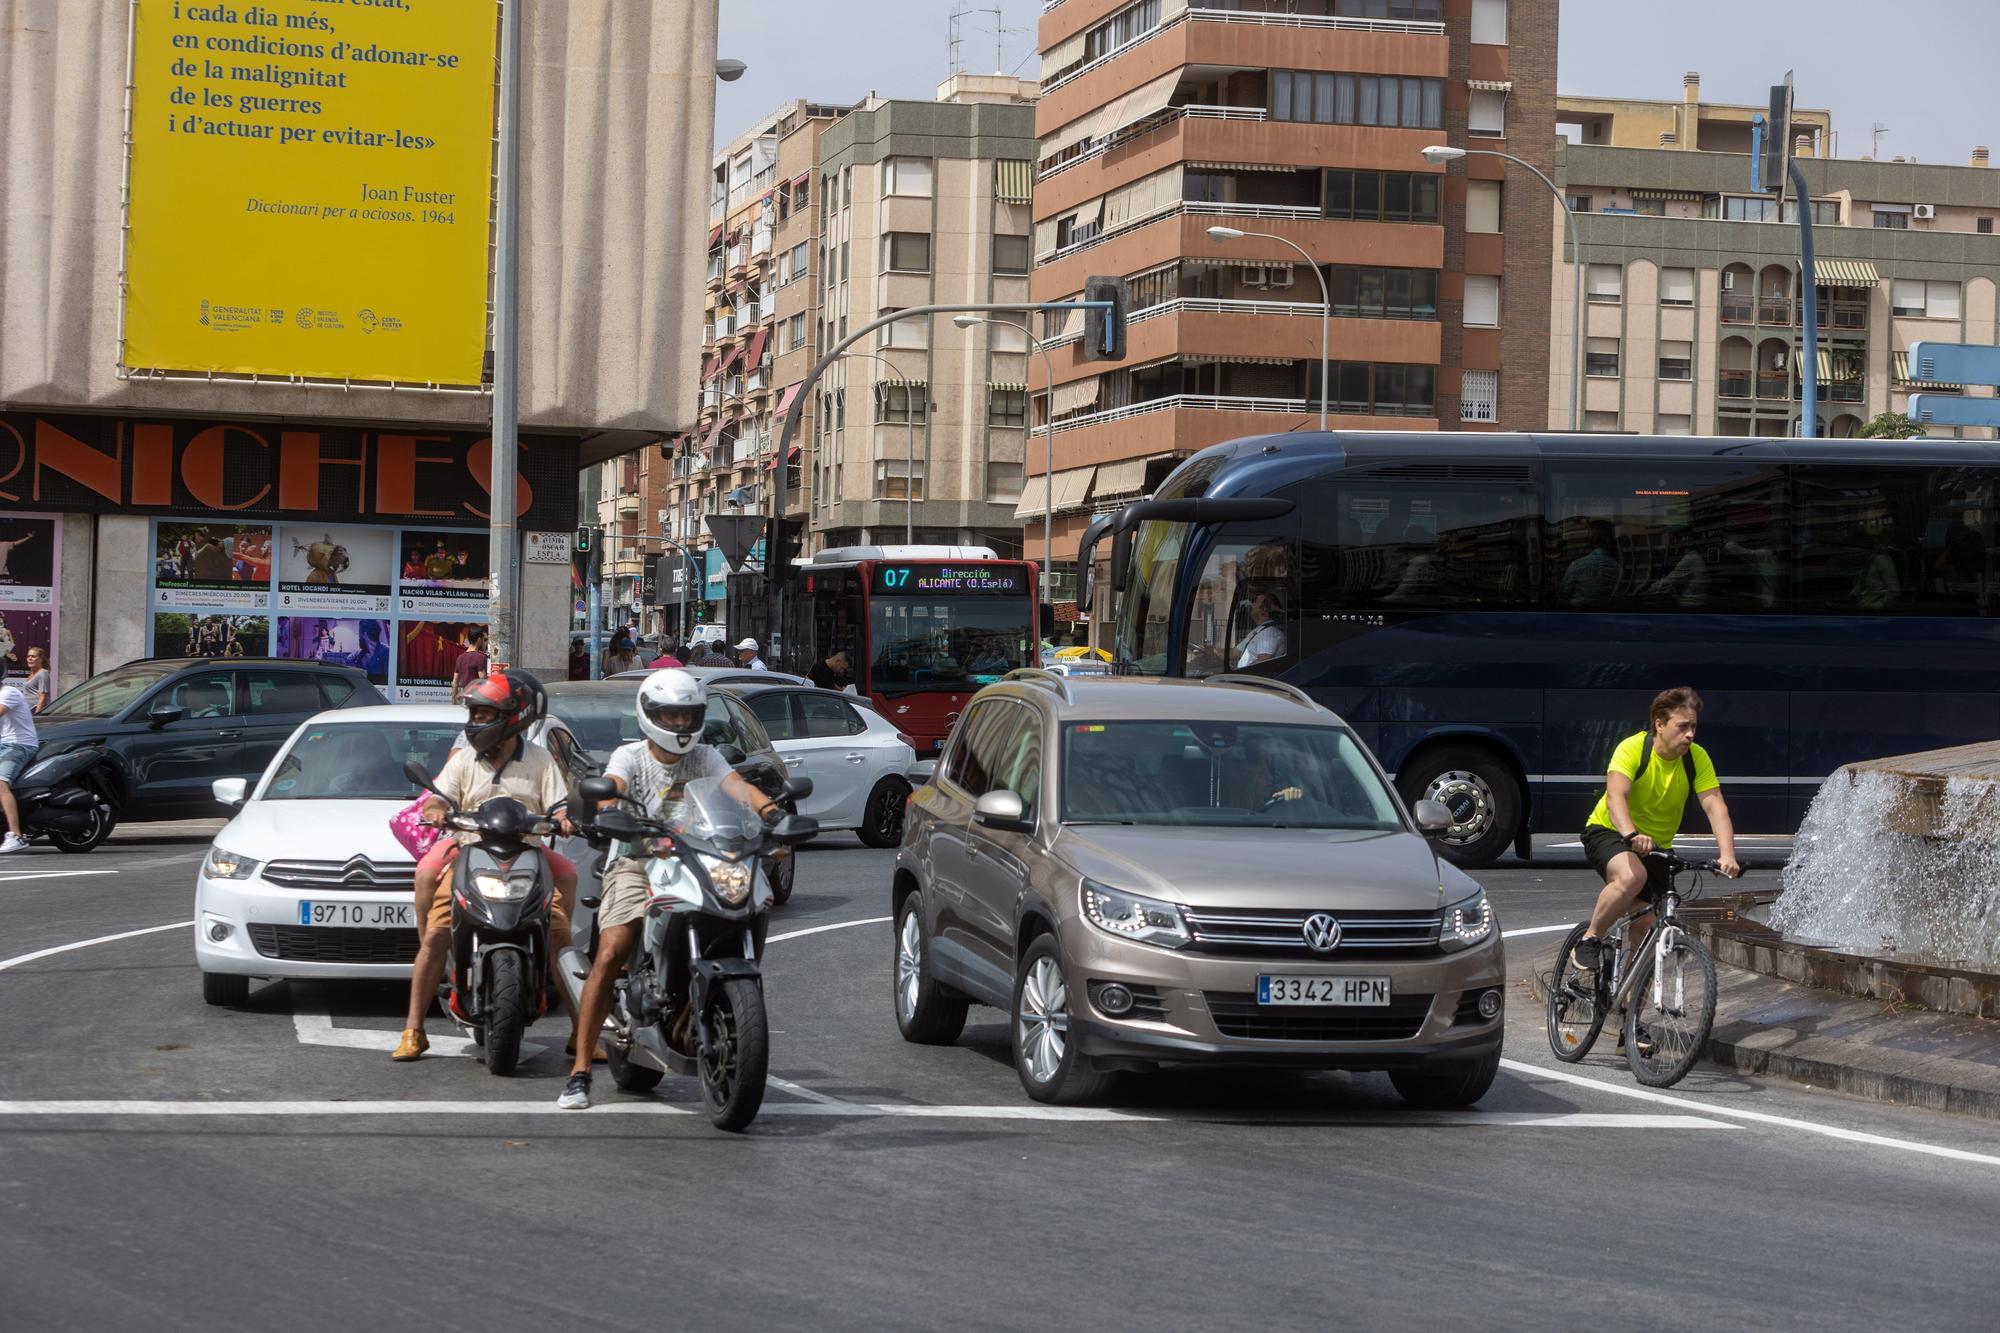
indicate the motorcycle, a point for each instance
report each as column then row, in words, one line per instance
column 502, row 891
column 692, row 1000
column 69, row 798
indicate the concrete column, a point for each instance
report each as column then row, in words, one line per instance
column 118, row 620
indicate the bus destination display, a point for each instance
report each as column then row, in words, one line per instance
column 951, row 579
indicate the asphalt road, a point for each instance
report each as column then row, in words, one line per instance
column 892, row 1186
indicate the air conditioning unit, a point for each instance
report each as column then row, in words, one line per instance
column 1728, row 281
column 1280, row 275
column 1256, row 275
column 1924, row 211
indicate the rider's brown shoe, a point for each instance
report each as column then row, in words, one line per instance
column 412, row 1046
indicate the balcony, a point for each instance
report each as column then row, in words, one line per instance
column 1178, row 207
column 1737, row 309
column 1774, row 384
column 1732, row 384
column 1775, row 311
column 1140, row 128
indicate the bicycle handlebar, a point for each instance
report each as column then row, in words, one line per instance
column 1675, row 865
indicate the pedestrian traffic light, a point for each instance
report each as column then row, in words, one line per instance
column 1104, row 330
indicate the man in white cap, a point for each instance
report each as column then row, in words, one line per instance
column 746, row 656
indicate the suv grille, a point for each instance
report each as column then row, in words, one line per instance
column 334, row 944
column 356, row 873
column 1239, row 1015
column 1255, row 933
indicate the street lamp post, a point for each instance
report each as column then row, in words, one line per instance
column 1049, row 461
column 909, row 440
column 1439, row 154
column 1325, row 298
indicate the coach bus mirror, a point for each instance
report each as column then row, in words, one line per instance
column 160, row 714
column 1432, row 818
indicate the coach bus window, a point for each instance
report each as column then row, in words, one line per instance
column 1239, row 614
column 1404, row 547
column 1903, row 542
column 1145, row 612
column 1647, row 537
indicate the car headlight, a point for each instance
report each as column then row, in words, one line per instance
column 1131, row 917
column 1466, row 923
column 500, row 888
column 731, row 880
column 227, row 865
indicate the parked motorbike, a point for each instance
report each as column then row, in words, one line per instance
column 692, row 999
column 70, row 798
column 502, row 892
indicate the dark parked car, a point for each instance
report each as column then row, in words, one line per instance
column 176, row 725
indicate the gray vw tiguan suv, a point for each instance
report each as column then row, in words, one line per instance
column 1143, row 872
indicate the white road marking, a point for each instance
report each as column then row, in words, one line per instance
column 798, row 1090
column 1534, row 930
column 1756, row 1117
column 53, row 874
column 85, row 944
column 318, row 1030
column 820, row 930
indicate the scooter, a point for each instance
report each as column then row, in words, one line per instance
column 70, row 798
column 692, row 1001
column 502, row 892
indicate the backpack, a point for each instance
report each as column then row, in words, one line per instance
column 1687, row 766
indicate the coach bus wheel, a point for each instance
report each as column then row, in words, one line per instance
column 1480, row 791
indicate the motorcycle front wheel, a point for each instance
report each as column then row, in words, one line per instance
column 506, row 1010
column 102, row 820
column 738, row 1055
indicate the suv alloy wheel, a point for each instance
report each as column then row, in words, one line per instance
column 1050, row 1066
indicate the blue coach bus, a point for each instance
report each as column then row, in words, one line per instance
column 1492, row 613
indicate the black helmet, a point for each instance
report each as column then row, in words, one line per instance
column 516, row 696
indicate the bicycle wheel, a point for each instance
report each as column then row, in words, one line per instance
column 1576, row 1011
column 1668, row 1017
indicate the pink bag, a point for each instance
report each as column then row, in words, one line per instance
column 416, row 836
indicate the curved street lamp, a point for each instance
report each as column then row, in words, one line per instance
column 1049, row 463
column 1220, row 233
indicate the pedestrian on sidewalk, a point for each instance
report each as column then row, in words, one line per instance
column 18, row 743
column 37, row 686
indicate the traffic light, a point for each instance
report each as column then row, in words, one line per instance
column 590, row 545
column 1104, row 330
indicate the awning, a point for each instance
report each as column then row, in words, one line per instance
column 712, row 369
column 785, row 398
column 1490, row 85
column 801, row 179
column 1848, row 369
column 708, row 440
column 791, row 454
column 1061, row 56
column 1845, row 273
column 729, row 358
column 1900, row 371
column 1240, row 166
column 1069, row 136
column 1007, row 388
column 1072, row 489
column 757, row 342
column 1126, row 478
column 1683, row 196
column 1147, row 99
column 1014, row 180
column 715, row 236
column 1075, row 396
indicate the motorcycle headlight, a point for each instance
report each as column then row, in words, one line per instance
column 223, row 864
column 1466, row 923
column 1131, row 917
column 499, row 888
column 731, row 880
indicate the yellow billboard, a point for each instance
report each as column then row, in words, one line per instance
column 311, row 188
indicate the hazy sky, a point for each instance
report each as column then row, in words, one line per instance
column 1857, row 58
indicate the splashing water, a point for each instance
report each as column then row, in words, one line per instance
column 1858, row 881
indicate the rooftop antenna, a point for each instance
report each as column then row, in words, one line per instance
column 955, row 39
column 1877, row 131
column 999, row 40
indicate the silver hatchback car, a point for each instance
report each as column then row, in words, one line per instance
column 1146, row 872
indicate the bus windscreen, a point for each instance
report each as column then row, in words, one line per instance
column 947, row 640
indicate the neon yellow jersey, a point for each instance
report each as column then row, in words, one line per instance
column 1660, row 794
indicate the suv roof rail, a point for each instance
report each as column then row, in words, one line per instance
column 1248, row 681
column 1044, row 677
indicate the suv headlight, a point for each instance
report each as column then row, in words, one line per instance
column 227, row 865
column 1466, row 923
column 1131, row 917
column 731, row 880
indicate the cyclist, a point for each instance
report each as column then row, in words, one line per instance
column 1653, row 775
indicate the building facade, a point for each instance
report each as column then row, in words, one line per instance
column 1693, row 318
column 1300, row 122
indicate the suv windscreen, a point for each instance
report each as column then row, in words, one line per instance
column 113, row 692
column 1221, row 775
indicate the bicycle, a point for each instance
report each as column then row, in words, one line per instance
column 1665, row 988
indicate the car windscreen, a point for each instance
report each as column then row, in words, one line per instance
column 113, row 692
column 602, row 720
column 1221, row 775
column 358, row 761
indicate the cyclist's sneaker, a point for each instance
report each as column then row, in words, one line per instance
column 575, row 1093
column 1587, row 955
column 1646, row 1043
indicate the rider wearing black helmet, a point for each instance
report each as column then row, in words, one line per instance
column 498, row 760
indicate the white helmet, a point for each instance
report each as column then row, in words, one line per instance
column 672, row 706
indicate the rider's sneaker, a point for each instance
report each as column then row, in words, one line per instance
column 1646, row 1044
column 13, row 842
column 575, row 1093
column 1586, row 956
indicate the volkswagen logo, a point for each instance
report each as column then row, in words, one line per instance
column 1322, row 932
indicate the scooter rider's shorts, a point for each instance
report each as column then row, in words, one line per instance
column 625, row 894
column 440, row 857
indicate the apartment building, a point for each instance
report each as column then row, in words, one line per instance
column 1692, row 310
column 920, row 430
column 1301, row 123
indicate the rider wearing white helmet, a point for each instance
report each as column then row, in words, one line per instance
column 672, row 706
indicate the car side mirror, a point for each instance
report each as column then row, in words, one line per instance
column 797, row 789
column 1432, row 818
column 794, row 829
column 162, row 713
column 596, row 791
column 1002, row 810
column 230, row 791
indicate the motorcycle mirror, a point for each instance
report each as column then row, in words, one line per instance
column 730, row 754
column 794, row 829
column 414, row 771
column 597, row 790
column 797, row 789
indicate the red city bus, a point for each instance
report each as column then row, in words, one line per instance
column 923, row 626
